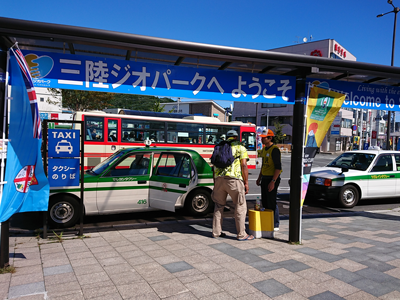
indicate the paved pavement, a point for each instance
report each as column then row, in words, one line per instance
column 342, row 256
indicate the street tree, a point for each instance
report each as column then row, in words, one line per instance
column 279, row 136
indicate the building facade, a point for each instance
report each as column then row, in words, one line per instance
column 207, row 108
column 340, row 136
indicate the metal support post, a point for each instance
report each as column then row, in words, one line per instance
column 296, row 169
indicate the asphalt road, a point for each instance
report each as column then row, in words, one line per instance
column 34, row 221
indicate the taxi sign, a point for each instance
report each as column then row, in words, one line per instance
column 64, row 142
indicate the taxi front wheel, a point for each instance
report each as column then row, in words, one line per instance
column 199, row 203
column 348, row 196
column 63, row 211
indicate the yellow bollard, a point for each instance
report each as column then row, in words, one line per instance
column 261, row 223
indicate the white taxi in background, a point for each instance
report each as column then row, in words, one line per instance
column 355, row 175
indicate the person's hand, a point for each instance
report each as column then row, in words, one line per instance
column 271, row 186
column 246, row 188
column 258, row 182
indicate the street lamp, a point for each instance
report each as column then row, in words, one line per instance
column 395, row 11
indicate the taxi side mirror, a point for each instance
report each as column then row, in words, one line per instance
column 344, row 170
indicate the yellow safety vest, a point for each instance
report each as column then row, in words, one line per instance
column 268, row 167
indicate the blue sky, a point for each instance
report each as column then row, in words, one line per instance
column 253, row 24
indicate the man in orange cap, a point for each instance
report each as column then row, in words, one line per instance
column 269, row 177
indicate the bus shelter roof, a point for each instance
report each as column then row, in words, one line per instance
column 57, row 38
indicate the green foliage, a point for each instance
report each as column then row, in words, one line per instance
column 279, row 137
column 9, row 269
column 137, row 102
column 157, row 107
column 87, row 100
column 81, row 100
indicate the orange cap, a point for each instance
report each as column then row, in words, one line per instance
column 267, row 132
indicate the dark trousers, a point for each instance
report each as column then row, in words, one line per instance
column 269, row 198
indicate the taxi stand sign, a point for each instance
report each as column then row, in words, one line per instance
column 63, row 143
column 63, row 172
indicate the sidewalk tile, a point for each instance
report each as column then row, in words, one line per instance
column 290, row 296
column 123, row 278
column 57, row 270
column 203, row 288
column 63, row 289
column 177, row 266
column 349, row 265
column 311, row 290
column 374, row 275
column 60, row 279
column 26, row 289
column 138, row 290
column 344, row 275
column 314, row 275
column 111, row 261
column 391, row 296
column 92, row 278
column 372, row 287
column 339, row 287
column 106, row 254
column 293, row 265
column 99, row 291
column 283, row 275
column 361, row 295
column 169, row 288
column 222, row 276
column 112, row 296
column 120, row 268
column 88, row 269
column 40, row 296
column 272, row 288
column 237, row 287
column 326, row 296
column 378, row 265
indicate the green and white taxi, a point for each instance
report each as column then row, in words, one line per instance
column 137, row 180
column 356, row 175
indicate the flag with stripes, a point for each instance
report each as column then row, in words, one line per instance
column 27, row 187
column 37, row 127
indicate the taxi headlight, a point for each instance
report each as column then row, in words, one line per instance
column 323, row 181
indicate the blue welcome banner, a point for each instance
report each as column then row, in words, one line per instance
column 363, row 95
column 66, row 71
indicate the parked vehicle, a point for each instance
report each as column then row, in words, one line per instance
column 135, row 180
column 356, row 175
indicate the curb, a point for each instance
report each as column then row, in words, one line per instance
column 183, row 222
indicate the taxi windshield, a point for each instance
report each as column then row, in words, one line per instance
column 356, row 161
column 105, row 163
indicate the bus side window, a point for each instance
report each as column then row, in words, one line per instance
column 94, row 128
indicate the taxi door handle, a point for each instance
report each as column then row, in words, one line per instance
column 182, row 185
column 391, row 176
column 142, row 182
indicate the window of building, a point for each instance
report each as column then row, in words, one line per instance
column 41, row 99
column 346, row 123
column 269, row 105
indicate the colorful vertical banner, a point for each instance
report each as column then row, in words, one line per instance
column 322, row 107
column 27, row 187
